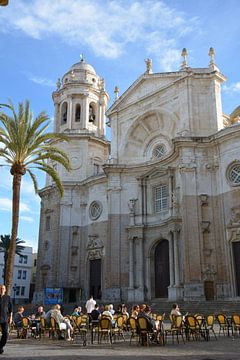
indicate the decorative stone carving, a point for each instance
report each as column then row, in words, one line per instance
column 74, row 250
column 209, row 272
column 94, row 247
column 74, row 230
column 101, row 84
column 175, row 201
column 190, row 166
column 132, row 205
column 58, row 84
column 235, row 216
column 148, row 63
column 212, row 166
column 204, row 199
column 132, row 208
column 205, row 226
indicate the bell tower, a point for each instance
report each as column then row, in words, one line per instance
column 80, row 101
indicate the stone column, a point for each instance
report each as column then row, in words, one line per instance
column 171, row 261
column 57, row 120
column 131, row 240
column 141, row 281
column 70, row 117
column 176, row 258
column 85, row 112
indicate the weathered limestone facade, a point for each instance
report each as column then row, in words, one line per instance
column 158, row 213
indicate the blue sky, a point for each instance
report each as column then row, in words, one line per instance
column 41, row 39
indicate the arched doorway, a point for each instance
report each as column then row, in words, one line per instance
column 161, row 261
column 236, row 257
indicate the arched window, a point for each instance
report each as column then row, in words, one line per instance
column 92, row 113
column 77, row 112
column 64, row 113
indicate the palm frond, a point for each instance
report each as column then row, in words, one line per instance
column 34, row 180
column 54, row 175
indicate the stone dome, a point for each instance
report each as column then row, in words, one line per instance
column 83, row 66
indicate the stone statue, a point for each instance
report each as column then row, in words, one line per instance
column 58, row 84
column 148, row 63
column 132, row 205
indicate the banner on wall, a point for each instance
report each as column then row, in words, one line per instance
column 53, row 296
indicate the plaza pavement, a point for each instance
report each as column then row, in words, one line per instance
column 225, row 348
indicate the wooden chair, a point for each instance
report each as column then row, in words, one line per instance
column 177, row 328
column 132, row 322
column 120, row 327
column 143, row 330
column 105, row 329
column 224, row 324
column 43, row 327
column 193, row 327
column 209, row 325
column 23, row 331
column 55, row 331
column 235, row 320
column 83, row 328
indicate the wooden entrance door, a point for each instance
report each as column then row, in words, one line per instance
column 209, row 290
column 236, row 257
column 95, row 279
column 162, row 279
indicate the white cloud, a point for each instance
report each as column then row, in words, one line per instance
column 6, row 205
column 234, row 87
column 28, row 219
column 107, row 30
column 42, row 81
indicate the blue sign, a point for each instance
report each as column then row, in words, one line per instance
column 53, row 296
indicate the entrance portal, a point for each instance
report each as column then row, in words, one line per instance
column 236, row 257
column 162, row 279
column 95, row 279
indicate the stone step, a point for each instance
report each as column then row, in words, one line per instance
column 203, row 307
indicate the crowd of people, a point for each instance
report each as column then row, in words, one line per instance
column 94, row 311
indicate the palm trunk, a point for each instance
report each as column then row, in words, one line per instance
column 5, row 265
column 16, row 186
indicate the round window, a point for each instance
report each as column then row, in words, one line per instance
column 95, row 210
column 233, row 174
column 159, row 151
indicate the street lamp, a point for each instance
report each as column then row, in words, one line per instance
column 14, row 293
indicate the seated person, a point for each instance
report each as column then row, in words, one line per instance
column 63, row 323
column 18, row 317
column 40, row 313
column 77, row 311
column 135, row 311
column 95, row 314
column 175, row 310
column 152, row 325
column 107, row 313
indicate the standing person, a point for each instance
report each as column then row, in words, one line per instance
column 5, row 315
column 90, row 305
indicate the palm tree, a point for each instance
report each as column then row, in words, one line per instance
column 4, row 247
column 25, row 146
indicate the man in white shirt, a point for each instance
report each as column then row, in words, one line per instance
column 90, row 305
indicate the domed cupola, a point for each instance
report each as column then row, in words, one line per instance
column 80, row 101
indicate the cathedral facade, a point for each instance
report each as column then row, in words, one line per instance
column 155, row 213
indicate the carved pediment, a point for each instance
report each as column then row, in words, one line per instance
column 155, row 173
column 144, row 86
